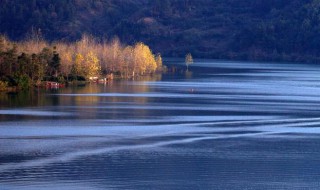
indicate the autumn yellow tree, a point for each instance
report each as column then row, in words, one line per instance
column 139, row 66
column 115, row 51
column 144, row 60
column 128, row 56
column 150, row 60
column 77, row 67
column 92, row 66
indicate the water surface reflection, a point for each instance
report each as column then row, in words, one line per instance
column 226, row 125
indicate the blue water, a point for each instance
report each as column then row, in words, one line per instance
column 222, row 125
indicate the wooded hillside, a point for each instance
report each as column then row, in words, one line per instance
column 233, row 29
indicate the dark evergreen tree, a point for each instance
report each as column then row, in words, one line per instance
column 55, row 63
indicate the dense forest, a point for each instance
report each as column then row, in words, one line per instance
column 34, row 61
column 233, row 29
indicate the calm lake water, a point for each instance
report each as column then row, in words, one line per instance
column 223, row 125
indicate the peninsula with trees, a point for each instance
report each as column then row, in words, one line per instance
column 28, row 63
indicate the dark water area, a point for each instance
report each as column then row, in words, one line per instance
column 222, row 125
